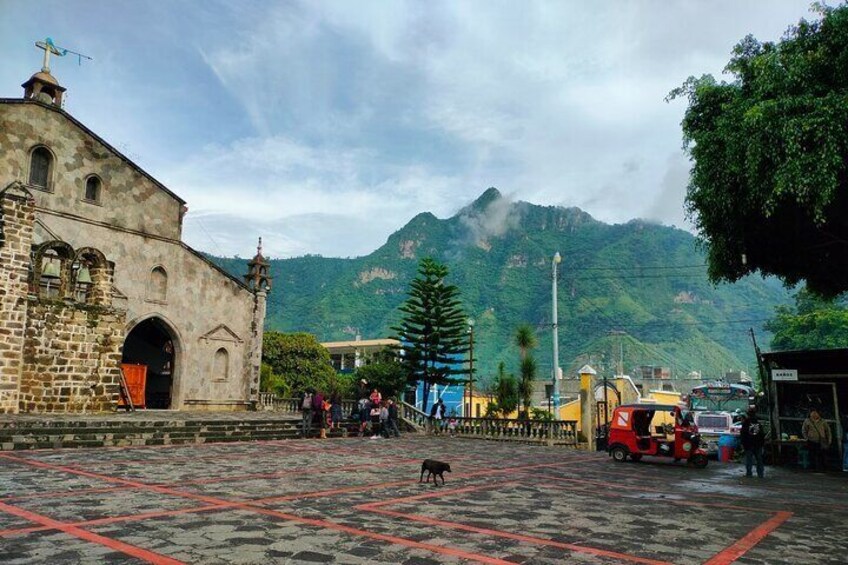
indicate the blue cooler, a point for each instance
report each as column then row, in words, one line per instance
column 727, row 444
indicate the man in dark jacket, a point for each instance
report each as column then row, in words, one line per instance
column 753, row 437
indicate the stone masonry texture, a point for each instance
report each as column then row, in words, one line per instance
column 60, row 356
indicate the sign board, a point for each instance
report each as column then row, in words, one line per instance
column 784, row 374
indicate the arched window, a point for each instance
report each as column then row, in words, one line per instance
column 40, row 167
column 158, row 290
column 92, row 189
column 221, row 365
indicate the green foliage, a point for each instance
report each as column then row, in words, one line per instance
column 297, row 362
column 525, row 383
column 813, row 323
column 492, row 409
column 640, row 277
column 389, row 377
column 271, row 382
column 525, row 339
column 432, row 331
column 541, row 415
column 506, row 392
column 770, row 177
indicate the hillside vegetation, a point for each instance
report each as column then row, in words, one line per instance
column 641, row 278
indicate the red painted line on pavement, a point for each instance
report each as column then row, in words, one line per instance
column 618, row 486
column 128, row 549
column 59, row 493
column 607, row 471
column 291, row 472
column 438, row 494
column 215, row 503
column 746, row 543
column 220, row 504
column 384, row 537
column 521, row 537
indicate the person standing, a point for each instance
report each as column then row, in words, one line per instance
column 336, row 409
column 306, row 411
column 392, row 422
column 817, row 433
column 431, row 421
column 362, row 389
column 318, row 410
column 440, row 416
column 384, row 420
column 753, row 437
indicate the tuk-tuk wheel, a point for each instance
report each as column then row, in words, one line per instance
column 619, row 453
column 699, row 461
column 636, row 456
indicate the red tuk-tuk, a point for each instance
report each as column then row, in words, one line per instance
column 659, row 430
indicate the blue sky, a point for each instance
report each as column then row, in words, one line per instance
column 326, row 126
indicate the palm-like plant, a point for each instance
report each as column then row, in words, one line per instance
column 525, row 385
column 525, row 339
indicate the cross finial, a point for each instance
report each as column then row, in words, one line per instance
column 49, row 48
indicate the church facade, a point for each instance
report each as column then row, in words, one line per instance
column 96, row 282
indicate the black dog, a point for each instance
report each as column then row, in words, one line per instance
column 434, row 468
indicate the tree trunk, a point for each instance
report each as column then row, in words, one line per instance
column 426, row 396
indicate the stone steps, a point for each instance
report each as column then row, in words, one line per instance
column 42, row 434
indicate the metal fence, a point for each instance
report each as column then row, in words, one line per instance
column 553, row 432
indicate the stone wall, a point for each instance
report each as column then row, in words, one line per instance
column 130, row 199
column 16, row 217
column 136, row 225
column 71, row 357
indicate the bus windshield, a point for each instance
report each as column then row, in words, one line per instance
column 720, row 397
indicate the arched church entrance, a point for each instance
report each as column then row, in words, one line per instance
column 152, row 343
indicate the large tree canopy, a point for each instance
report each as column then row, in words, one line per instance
column 769, row 185
column 295, row 362
column 433, row 329
column 813, row 323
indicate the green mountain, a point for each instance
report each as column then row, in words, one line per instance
column 637, row 290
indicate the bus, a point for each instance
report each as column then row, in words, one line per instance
column 718, row 408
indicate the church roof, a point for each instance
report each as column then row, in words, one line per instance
column 82, row 126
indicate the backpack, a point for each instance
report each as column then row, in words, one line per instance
column 307, row 401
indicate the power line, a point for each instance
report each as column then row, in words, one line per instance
column 643, row 268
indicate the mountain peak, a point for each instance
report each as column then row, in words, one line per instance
column 484, row 200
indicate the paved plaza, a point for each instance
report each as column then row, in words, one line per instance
column 358, row 501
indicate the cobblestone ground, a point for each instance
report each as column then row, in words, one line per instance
column 359, row 501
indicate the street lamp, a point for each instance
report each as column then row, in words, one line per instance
column 470, row 367
column 556, row 261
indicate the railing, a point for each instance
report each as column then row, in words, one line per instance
column 561, row 432
column 412, row 415
column 270, row 401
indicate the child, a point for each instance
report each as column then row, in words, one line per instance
column 452, row 427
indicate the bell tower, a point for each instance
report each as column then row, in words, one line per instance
column 257, row 277
column 42, row 86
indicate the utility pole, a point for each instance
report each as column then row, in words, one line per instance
column 470, row 368
column 556, row 261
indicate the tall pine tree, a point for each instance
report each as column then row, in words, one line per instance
column 432, row 331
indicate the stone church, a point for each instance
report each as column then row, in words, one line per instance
column 95, row 279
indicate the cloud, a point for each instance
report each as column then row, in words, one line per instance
column 328, row 125
column 494, row 220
